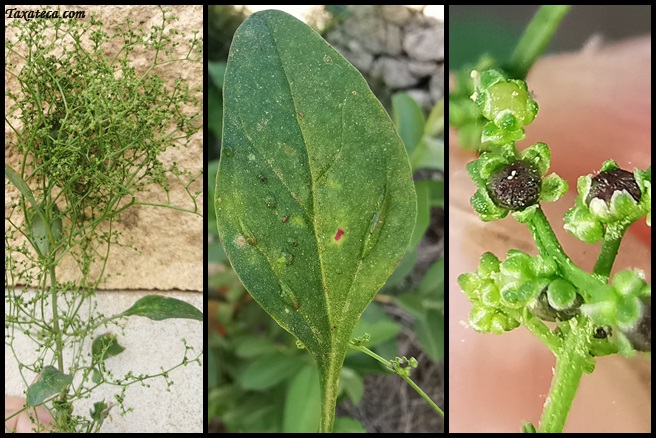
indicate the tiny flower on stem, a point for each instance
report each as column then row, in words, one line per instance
column 610, row 200
column 512, row 181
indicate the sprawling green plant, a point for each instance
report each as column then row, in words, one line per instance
column 593, row 314
column 315, row 201
column 91, row 122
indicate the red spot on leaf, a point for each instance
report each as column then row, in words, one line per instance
column 339, row 234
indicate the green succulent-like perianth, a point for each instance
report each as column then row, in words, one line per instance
column 512, row 181
column 506, row 103
column 463, row 111
column 610, row 200
column 502, row 291
column 625, row 308
column 487, row 314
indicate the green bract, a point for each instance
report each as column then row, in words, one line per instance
column 511, row 181
column 614, row 204
column 506, row 103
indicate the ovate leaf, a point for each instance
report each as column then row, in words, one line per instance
column 314, row 199
column 106, row 346
column 159, row 308
column 348, row 425
column 47, row 383
column 430, row 332
column 21, row 185
column 302, row 402
column 269, row 370
column 409, row 120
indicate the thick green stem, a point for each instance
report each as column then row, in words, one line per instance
column 548, row 245
column 329, row 380
column 59, row 353
column 538, row 328
column 609, row 248
column 570, row 365
column 535, row 39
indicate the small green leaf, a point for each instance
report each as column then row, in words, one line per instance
column 214, row 112
column 408, row 119
column 302, row 402
column 158, row 308
column 251, row 346
column 412, row 303
column 100, row 411
column 430, row 333
column 39, row 233
column 21, row 185
column 432, row 285
column 39, row 228
column 348, row 425
column 436, row 193
column 215, row 253
column 435, row 123
column 47, row 383
column 267, row 371
column 422, row 189
column 404, row 268
column 216, row 71
column 212, row 168
column 353, row 384
column 429, row 154
column 96, row 376
column 105, row 346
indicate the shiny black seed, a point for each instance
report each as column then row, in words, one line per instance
column 515, row 186
column 607, row 182
column 602, row 332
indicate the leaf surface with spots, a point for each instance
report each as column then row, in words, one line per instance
column 314, row 195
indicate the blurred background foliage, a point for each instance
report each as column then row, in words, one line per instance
column 495, row 29
column 259, row 381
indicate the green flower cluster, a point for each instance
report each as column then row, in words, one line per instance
column 505, row 293
column 499, row 291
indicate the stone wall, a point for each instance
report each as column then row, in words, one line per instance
column 396, row 48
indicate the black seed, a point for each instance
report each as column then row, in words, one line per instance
column 640, row 334
column 515, row 186
column 607, row 182
column 602, row 332
column 543, row 310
